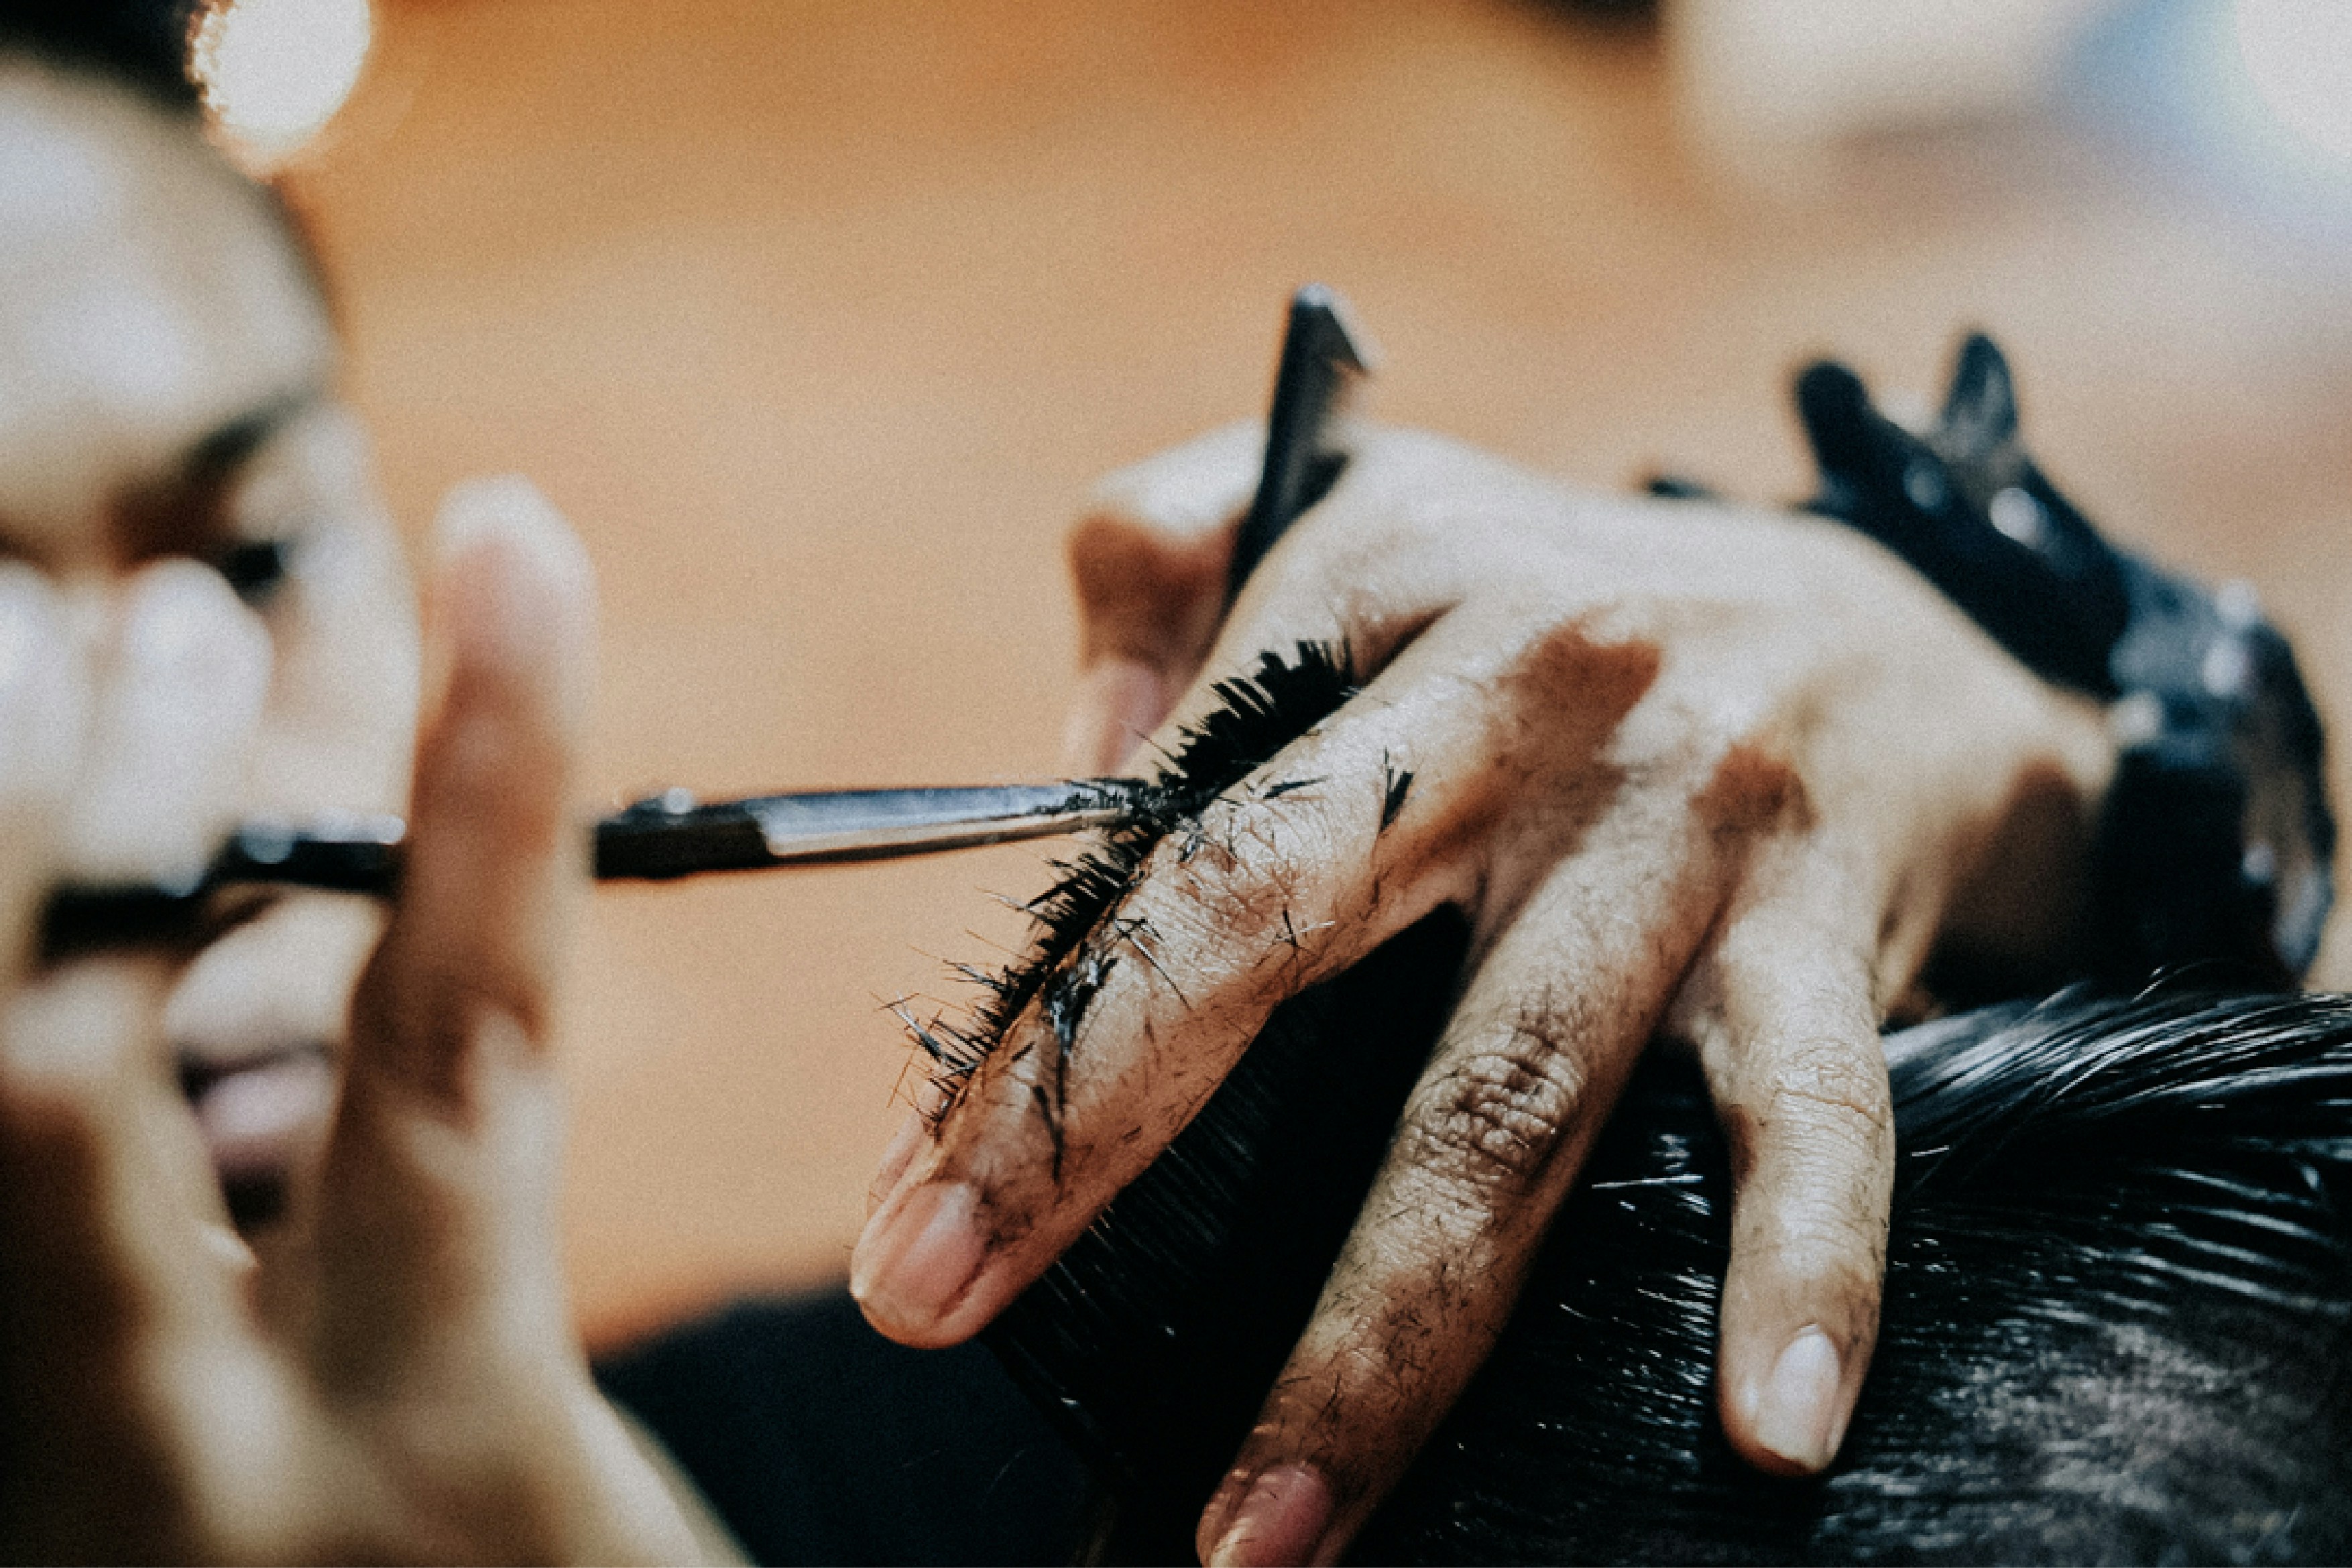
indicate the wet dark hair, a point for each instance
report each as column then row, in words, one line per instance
column 141, row 43
column 2119, row 1289
column 2118, row 1311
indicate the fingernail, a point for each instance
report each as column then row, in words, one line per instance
column 917, row 1258
column 1282, row 1519
column 507, row 507
column 896, row 1158
column 1119, row 703
column 1799, row 1414
column 544, row 603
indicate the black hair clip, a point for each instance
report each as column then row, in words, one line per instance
column 2216, row 842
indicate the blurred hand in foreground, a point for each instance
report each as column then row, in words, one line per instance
column 395, row 1377
column 1718, row 775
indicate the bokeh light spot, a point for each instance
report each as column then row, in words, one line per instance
column 274, row 72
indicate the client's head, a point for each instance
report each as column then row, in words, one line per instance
column 2117, row 1324
column 2118, row 1310
column 168, row 362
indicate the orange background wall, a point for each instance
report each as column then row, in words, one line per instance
column 818, row 315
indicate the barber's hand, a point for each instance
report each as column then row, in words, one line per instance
column 398, row 1380
column 1716, row 773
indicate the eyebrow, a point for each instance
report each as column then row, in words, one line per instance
column 151, row 515
column 206, row 465
column 220, row 452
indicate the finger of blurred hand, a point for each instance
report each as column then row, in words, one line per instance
column 1488, row 1145
column 115, row 1229
column 495, row 862
column 441, row 1159
column 441, row 1295
column 1368, row 822
column 181, row 688
column 124, row 1314
column 124, row 1320
column 1148, row 562
column 123, row 1203
column 43, row 714
column 1783, row 1007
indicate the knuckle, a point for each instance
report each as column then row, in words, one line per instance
column 1237, row 867
column 1426, row 471
column 1830, row 1099
column 1186, row 491
column 1750, row 786
column 434, row 1021
column 1494, row 1118
column 1355, row 548
column 1578, row 630
column 1578, row 656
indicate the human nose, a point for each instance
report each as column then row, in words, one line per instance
column 88, row 604
column 181, row 670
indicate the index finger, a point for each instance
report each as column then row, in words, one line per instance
column 1783, row 1011
column 140, row 789
column 1149, row 562
column 494, row 861
column 110, row 1219
column 441, row 1164
column 1348, row 836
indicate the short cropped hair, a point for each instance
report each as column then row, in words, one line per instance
column 2117, row 1323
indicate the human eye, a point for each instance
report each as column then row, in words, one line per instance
column 257, row 569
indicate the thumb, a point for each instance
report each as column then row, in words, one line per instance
column 1148, row 562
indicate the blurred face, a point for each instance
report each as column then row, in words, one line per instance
column 164, row 361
